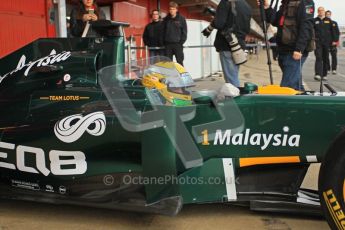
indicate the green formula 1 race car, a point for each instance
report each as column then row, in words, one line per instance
column 77, row 126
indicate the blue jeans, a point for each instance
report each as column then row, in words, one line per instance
column 230, row 69
column 292, row 71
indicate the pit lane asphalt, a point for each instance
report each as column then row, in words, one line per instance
column 30, row 215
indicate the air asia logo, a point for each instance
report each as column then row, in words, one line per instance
column 71, row 128
column 44, row 61
column 257, row 139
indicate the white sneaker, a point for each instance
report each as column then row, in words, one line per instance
column 325, row 78
column 334, row 72
column 317, row 77
column 328, row 72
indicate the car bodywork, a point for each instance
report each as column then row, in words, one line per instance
column 71, row 133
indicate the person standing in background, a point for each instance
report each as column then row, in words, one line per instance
column 87, row 10
column 324, row 39
column 174, row 33
column 333, row 50
column 152, row 36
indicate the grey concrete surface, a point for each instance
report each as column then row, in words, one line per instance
column 26, row 215
column 29, row 215
column 336, row 81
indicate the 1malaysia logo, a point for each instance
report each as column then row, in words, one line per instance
column 71, row 128
column 264, row 140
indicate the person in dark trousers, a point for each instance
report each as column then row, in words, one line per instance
column 174, row 33
column 333, row 50
column 87, row 10
column 324, row 38
column 153, row 34
column 273, row 40
column 294, row 21
column 231, row 17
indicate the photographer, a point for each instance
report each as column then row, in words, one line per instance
column 232, row 21
column 294, row 21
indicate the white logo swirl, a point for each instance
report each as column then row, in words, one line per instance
column 71, row 128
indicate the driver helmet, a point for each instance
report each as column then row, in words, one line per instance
column 170, row 80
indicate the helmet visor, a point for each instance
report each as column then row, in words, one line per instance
column 183, row 81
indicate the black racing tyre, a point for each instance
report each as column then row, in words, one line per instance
column 332, row 186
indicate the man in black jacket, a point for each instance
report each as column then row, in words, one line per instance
column 333, row 49
column 294, row 21
column 153, row 34
column 174, row 33
column 231, row 17
column 324, row 39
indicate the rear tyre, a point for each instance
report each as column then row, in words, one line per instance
column 332, row 186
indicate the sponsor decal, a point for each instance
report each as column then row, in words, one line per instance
column 309, row 9
column 61, row 162
column 70, row 129
column 25, row 185
column 225, row 137
column 51, row 59
column 49, row 188
column 67, row 77
column 65, row 98
column 62, row 190
column 334, row 209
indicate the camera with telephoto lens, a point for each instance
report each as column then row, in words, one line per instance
column 238, row 55
column 210, row 10
column 208, row 30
